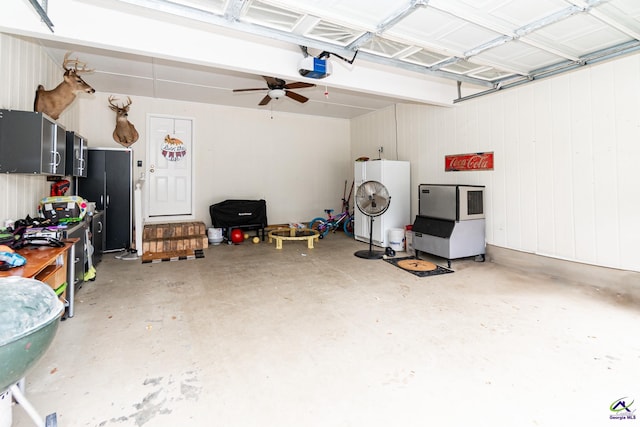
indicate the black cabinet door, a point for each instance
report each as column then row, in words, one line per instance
column 108, row 184
column 118, row 200
column 94, row 186
column 31, row 143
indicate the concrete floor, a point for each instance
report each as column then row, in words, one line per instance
column 252, row 336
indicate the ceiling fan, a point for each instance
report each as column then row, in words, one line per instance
column 278, row 88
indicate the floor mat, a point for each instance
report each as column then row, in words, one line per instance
column 418, row 267
column 182, row 255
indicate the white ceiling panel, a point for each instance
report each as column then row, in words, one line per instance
column 189, row 92
column 429, row 27
column 201, row 75
column 466, row 35
column 518, row 56
column 332, row 32
column 271, row 16
column 627, row 11
column 213, row 6
column 385, row 47
column 363, row 14
column 490, row 74
column 121, row 84
column 518, row 13
column 425, row 57
column 579, row 35
column 462, row 67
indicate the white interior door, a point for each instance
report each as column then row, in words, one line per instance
column 169, row 160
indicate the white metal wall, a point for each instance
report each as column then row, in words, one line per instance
column 565, row 182
column 297, row 163
column 23, row 66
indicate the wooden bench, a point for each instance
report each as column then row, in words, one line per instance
column 281, row 234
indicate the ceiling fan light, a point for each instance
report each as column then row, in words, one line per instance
column 276, row 93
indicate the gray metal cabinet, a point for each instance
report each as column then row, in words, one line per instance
column 97, row 236
column 31, row 143
column 78, row 231
column 77, row 155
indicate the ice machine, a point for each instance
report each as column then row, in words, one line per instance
column 450, row 221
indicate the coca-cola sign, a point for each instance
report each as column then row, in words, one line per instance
column 469, row 162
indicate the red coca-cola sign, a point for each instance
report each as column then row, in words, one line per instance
column 469, row 162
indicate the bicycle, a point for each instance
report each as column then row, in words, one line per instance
column 332, row 223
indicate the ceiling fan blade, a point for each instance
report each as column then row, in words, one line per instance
column 296, row 96
column 298, row 85
column 246, row 90
column 274, row 82
column 265, row 100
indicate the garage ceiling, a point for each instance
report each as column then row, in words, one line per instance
column 140, row 75
column 487, row 45
column 489, row 42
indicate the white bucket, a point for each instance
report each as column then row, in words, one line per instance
column 215, row 235
column 396, row 239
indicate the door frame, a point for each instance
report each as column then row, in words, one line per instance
column 145, row 175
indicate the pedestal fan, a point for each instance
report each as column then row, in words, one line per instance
column 372, row 199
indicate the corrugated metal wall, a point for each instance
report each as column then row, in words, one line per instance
column 23, row 66
column 565, row 182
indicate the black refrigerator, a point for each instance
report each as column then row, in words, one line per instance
column 108, row 184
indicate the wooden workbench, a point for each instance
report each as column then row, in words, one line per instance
column 49, row 265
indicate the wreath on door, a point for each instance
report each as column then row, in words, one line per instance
column 173, row 149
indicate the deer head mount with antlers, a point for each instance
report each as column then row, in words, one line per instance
column 124, row 133
column 53, row 102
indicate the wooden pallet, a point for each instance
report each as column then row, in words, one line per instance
column 187, row 254
column 165, row 238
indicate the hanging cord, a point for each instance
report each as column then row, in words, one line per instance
column 326, row 55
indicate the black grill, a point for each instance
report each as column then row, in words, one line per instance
column 247, row 214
